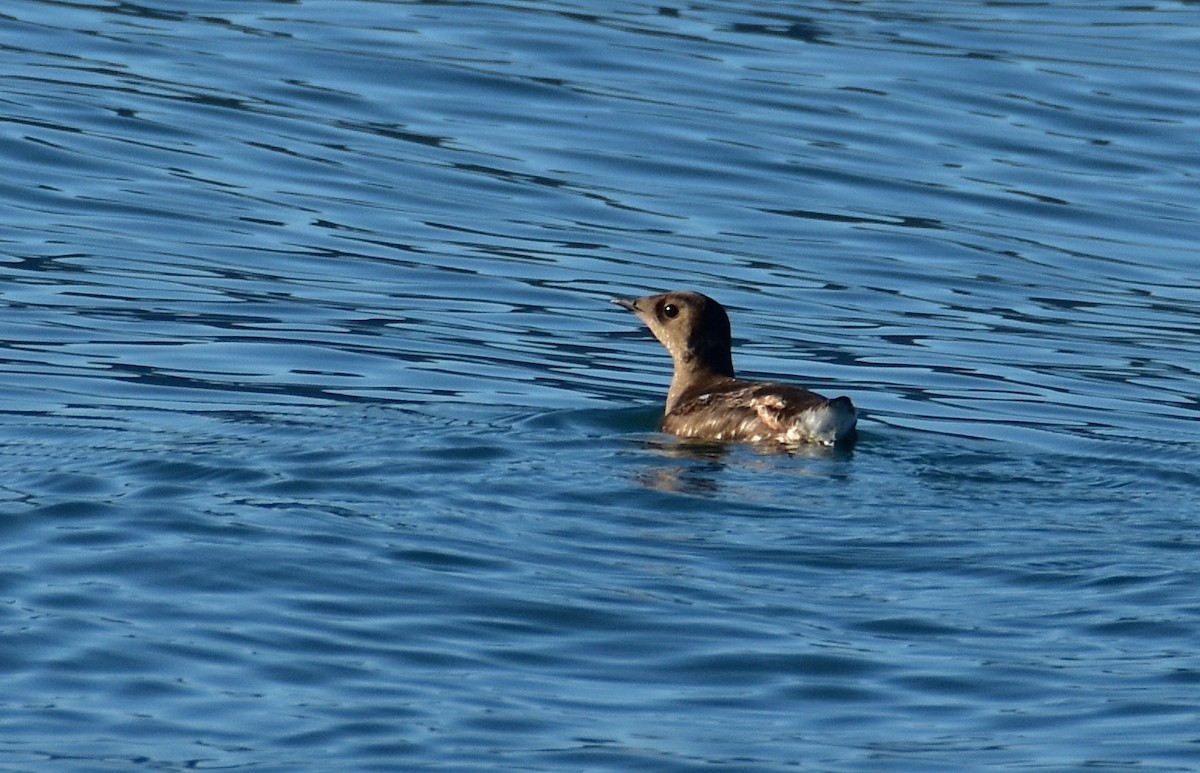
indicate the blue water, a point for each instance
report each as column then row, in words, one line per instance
column 322, row 448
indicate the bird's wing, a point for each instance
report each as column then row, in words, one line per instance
column 741, row 411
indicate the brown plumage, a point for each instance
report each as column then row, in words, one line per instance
column 706, row 401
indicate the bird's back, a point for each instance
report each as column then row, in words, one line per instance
column 748, row 411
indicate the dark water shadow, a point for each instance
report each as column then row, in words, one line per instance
column 706, row 468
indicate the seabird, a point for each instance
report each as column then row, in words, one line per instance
column 707, row 402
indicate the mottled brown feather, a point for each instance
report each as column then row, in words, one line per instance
column 745, row 411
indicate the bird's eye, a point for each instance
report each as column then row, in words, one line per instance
column 670, row 311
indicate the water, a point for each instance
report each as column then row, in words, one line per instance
column 323, row 449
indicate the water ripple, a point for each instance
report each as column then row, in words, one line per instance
column 323, row 447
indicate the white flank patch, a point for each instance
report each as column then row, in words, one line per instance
column 821, row 425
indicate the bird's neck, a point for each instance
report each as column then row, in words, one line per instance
column 693, row 375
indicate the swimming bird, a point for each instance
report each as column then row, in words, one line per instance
column 706, row 401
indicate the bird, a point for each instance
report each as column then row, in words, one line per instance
column 707, row 402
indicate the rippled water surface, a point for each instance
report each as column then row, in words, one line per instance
column 322, row 448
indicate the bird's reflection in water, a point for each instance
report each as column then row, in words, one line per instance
column 692, row 467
